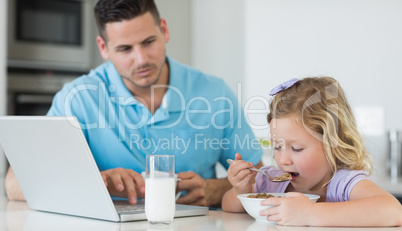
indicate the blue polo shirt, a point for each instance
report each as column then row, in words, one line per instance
column 199, row 121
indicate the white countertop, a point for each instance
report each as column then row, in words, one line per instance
column 16, row 216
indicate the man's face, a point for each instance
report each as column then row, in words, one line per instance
column 137, row 49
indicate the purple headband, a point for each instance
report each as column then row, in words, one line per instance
column 283, row 86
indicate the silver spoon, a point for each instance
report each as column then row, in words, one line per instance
column 283, row 178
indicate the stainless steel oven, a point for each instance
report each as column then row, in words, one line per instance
column 50, row 42
column 30, row 92
column 55, row 34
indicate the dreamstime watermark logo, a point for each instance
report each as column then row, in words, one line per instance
column 114, row 111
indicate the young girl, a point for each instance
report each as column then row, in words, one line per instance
column 315, row 139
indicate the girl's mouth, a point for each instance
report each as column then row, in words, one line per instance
column 294, row 175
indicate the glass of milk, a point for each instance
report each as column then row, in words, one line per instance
column 160, row 187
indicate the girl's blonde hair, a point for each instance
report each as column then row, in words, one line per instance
column 321, row 105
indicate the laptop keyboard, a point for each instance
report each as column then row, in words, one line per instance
column 127, row 208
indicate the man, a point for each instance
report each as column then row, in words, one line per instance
column 143, row 102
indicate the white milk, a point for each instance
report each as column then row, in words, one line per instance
column 160, row 199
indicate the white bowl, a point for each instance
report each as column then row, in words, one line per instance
column 253, row 206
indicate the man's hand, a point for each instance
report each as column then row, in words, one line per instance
column 200, row 191
column 13, row 189
column 124, row 183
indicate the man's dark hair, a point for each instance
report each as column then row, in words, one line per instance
column 107, row 11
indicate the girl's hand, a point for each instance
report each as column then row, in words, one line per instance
column 293, row 209
column 240, row 176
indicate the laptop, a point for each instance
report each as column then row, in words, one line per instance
column 57, row 172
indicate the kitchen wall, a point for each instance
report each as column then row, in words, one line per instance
column 358, row 42
column 218, row 39
column 262, row 43
column 178, row 16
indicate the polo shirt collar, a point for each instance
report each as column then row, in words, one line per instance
column 174, row 98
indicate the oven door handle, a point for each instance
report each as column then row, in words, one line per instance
column 31, row 99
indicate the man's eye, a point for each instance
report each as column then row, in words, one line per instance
column 297, row 149
column 124, row 49
column 148, row 42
